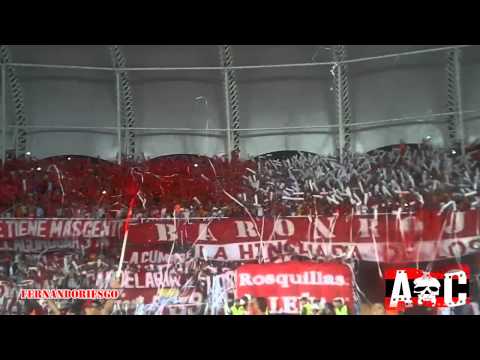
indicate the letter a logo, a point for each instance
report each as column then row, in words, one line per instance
column 401, row 290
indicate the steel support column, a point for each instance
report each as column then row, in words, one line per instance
column 341, row 125
column 455, row 124
column 231, row 99
column 342, row 96
column 18, row 101
column 127, row 104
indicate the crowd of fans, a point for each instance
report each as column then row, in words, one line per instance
column 74, row 269
column 404, row 177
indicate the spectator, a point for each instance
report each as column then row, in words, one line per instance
column 316, row 310
column 466, row 309
column 340, row 307
column 259, row 306
column 238, row 308
column 39, row 213
column 329, row 309
column 377, row 309
column 306, row 307
column 444, row 311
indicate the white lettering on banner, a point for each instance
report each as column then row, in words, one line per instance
column 165, row 277
column 282, row 279
column 286, row 304
column 55, row 229
column 457, row 249
column 22, row 228
column 87, row 229
column 269, row 279
column 11, row 228
column 149, row 281
column 320, row 231
column 76, row 228
column 155, row 257
column 83, row 228
column 280, row 226
column 283, row 305
column 198, row 251
column 368, row 227
column 166, row 232
column 271, row 249
column 42, row 229
column 67, row 229
column 158, row 279
column 289, row 305
column 455, row 223
column 61, row 228
column 247, row 251
column 32, row 228
column 105, row 231
column 204, row 233
column 96, row 229
column 425, row 250
column 220, row 254
column 273, row 304
column 285, row 280
column 245, row 280
column 96, row 232
column 246, row 229
column 137, row 281
column 134, row 258
column 129, row 280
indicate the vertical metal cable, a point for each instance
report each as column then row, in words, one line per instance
column 20, row 138
column 226, row 54
column 128, row 110
column 4, row 114
column 118, row 116
column 455, row 124
column 342, row 95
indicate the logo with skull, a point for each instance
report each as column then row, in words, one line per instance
column 427, row 288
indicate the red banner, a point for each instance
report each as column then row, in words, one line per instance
column 424, row 236
column 283, row 284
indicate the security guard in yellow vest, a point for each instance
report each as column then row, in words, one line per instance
column 238, row 307
column 340, row 307
column 306, row 307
